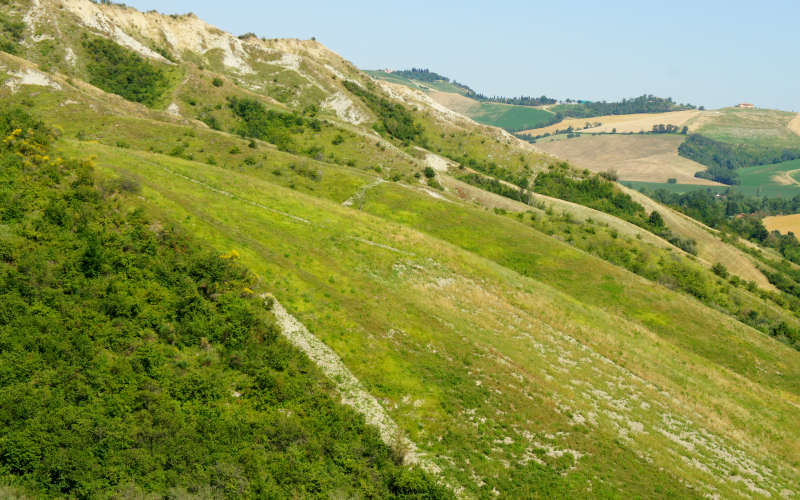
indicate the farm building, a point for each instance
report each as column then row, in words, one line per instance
column 746, row 105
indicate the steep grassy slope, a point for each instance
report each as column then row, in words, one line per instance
column 539, row 354
column 370, row 290
column 136, row 362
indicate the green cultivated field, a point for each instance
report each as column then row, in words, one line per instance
column 772, row 180
column 755, row 181
column 511, row 117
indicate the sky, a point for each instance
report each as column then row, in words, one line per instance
column 705, row 52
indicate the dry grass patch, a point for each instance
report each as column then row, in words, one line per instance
column 794, row 125
column 709, row 247
column 648, row 158
column 783, row 223
column 623, row 123
column 455, row 102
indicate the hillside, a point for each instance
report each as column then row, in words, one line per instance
column 648, row 158
column 539, row 115
column 462, row 99
column 261, row 272
column 622, row 124
column 749, row 126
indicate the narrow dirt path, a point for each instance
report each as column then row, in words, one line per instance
column 352, row 391
column 358, row 195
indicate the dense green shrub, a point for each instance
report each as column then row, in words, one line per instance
column 395, row 120
column 268, row 125
column 135, row 363
column 120, row 71
column 497, row 187
column 592, row 191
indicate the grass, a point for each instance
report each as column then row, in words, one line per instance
column 510, row 117
column 442, row 328
column 762, row 127
column 441, row 86
column 644, row 158
column 506, row 116
column 764, row 180
column 783, row 223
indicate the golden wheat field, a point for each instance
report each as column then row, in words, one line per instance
column 783, row 223
column 647, row 158
column 622, row 123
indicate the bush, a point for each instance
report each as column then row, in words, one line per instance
column 655, row 219
column 720, row 270
column 123, row 72
column 396, row 121
column 217, row 82
column 593, row 191
column 268, row 125
column 134, row 360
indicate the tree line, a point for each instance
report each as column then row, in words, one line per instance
column 642, row 104
column 722, row 159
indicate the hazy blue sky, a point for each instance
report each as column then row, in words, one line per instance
column 707, row 52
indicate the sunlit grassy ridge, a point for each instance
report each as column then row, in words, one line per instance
column 446, row 338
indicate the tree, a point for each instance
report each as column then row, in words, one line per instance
column 720, row 270
column 655, row 219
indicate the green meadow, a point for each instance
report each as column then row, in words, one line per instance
column 443, row 312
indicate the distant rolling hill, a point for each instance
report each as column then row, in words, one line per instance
column 647, row 158
column 632, row 123
column 510, row 117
